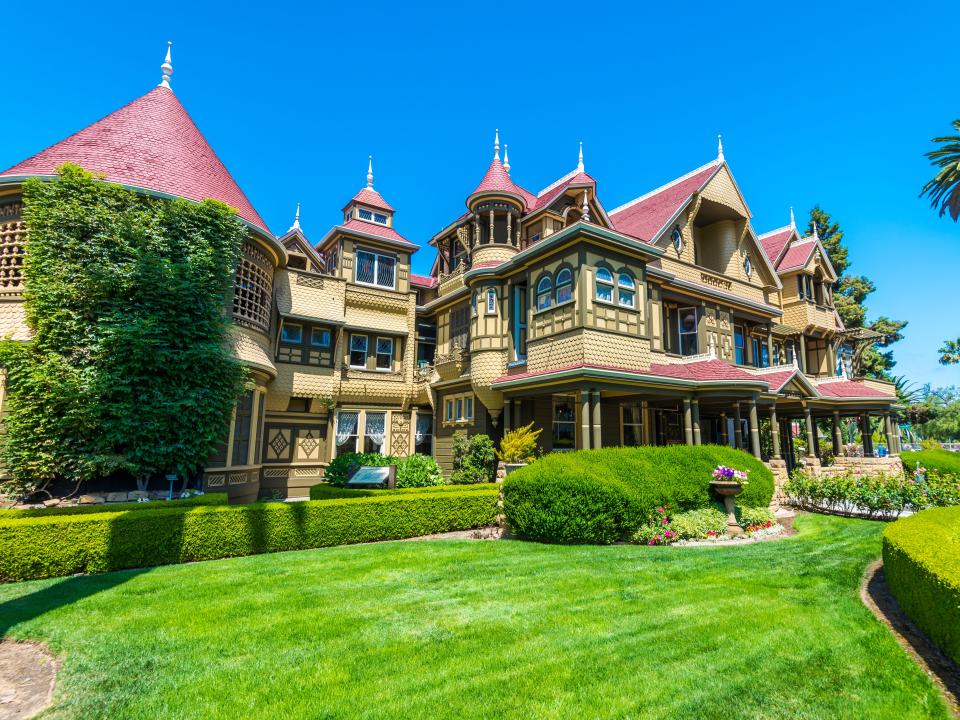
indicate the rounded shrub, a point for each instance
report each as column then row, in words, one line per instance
column 921, row 562
column 601, row 496
column 939, row 460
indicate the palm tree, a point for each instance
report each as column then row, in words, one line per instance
column 907, row 392
column 950, row 352
column 944, row 189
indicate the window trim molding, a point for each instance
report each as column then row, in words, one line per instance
column 376, row 267
column 366, row 351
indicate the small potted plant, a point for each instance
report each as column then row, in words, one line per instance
column 728, row 483
column 518, row 447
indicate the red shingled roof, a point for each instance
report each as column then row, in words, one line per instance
column 422, row 280
column 849, row 389
column 371, row 198
column 645, row 217
column 373, row 229
column 497, row 179
column 150, row 143
column 703, row 371
column 550, row 194
column 777, row 379
column 774, row 242
column 797, row 256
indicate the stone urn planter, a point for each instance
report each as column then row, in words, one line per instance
column 728, row 490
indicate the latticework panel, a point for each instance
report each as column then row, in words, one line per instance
column 253, row 289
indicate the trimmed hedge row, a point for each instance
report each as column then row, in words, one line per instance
column 323, row 491
column 921, row 561
column 942, row 461
column 194, row 501
column 602, row 496
column 43, row 547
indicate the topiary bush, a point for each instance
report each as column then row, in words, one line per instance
column 601, row 496
column 40, row 547
column 921, row 562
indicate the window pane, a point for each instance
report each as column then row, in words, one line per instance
column 543, row 301
column 491, row 301
column 543, row 285
column 469, row 408
column 604, row 275
column 291, row 334
column 687, row 329
column 564, row 276
column 378, row 218
column 365, row 266
column 564, row 293
column 346, row 431
column 625, row 281
column 385, row 269
column 358, row 350
column 366, row 214
column 564, row 425
column 320, row 338
column 627, row 298
column 459, row 408
column 605, row 293
column 384, row 353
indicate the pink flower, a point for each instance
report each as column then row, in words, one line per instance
column 664, row 521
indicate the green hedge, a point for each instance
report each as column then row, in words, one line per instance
column 323, row 491
column 921, row 561
column 43, row 547
column 601, row 496
column 943, row 461
column 194, row 501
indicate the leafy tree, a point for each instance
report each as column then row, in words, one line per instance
column 129, row 367
column 850, row 298
column 938, row 415
column 944, row 188
column 950, row 352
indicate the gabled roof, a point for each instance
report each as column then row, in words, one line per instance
column 150, row 144
column 798, row 255
column 775, row 242
column 553, row 191
column 354, row 225
column 423, row 281
column 296, row 236
column 645, row 216
column 371, row 198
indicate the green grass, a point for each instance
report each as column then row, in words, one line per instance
column 461, row 629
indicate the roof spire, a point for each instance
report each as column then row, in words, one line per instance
column 586, row 207
column 166, row 68
column 296, row 220
column 793, row 222
column 580, row 159
column 370, row 172
column 720, row 148
column 496, row 144
column 506, row 158
column 816, row 233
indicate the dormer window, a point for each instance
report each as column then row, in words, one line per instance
column 376, row 269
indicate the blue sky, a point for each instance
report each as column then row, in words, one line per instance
column 830, row 103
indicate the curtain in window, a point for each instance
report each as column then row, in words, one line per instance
column 424, row 427
column 346, row 426
column 374, row 427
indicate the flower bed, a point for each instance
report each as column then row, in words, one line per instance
column 703, row 524
column 921, row 561
column 879, row 496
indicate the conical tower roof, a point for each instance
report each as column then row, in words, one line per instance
column 150, row 144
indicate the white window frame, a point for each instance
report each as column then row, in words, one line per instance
column 355, row 436
column 389, row 367
column 554, row 423
column 283, row 330
column 491, row 301
column 366, row 351
column 564, row 279
column 630, row 289
column 694, row 332
column 376, row 269
column 377, row 218
column 603, row 282
column 365, row 214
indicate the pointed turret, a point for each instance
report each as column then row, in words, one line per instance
column 150, row 144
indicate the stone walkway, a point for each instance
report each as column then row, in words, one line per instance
column 28, row 672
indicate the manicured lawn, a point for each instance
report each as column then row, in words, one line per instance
column 483, row 630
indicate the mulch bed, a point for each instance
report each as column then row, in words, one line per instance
column 944, row 673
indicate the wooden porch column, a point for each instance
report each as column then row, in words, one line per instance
column 687, row 422
column 596, row 442
column 888, row 431
column 802, row 357
column 811, row 433
column 585, row 420
column 724, row 434
column 754, row 429
column 866, row 437
column 737, row 427
column 775, row 431
column 695, row 407
column 647, row 425
column 896, row 434
column 507, row 416
column 837, row 434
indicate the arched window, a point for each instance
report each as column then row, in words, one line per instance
column 544, row 293
column 564, row 290
column 604, row 285
column 491, row 301
column 626, row 290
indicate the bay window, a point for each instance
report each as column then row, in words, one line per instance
column 347, row 431
column 374, row 432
